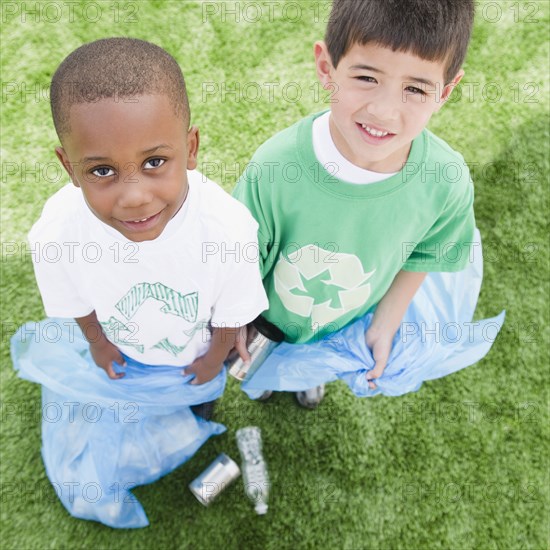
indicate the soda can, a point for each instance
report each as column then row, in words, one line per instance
column 221, row 473
column 259, row 350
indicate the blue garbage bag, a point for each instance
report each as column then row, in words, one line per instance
column 437, row 337
column 102, row 437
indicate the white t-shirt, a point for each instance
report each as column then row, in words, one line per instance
column 334, row 162
column 154, row 299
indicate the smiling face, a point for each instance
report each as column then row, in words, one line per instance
column 130, row 158
column 382, row 101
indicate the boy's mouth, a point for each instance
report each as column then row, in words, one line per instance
column 143, row 223
column 373, row 134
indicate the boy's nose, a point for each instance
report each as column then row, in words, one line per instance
column 135, row 193
column 383, row 108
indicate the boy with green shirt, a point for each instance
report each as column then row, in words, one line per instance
column 356, row 205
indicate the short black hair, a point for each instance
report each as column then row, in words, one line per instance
column 431, row 29
column 115, row 68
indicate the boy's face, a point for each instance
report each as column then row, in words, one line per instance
column 130, row 158
column 382, row 100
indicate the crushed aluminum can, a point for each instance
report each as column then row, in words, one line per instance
column 221, row 473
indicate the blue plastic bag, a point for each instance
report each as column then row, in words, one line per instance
column 102, row 437
column 437, row 337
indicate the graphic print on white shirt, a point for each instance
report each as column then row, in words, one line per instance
column 126, row 333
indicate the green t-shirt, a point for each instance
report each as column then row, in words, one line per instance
column 331, row 249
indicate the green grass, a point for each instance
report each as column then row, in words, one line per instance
column 461, row 464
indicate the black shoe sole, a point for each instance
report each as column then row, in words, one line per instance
column 204, row 410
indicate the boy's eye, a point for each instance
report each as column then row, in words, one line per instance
column 103, row 172
column 367, row 79
column 154, row 163
column 414, row 90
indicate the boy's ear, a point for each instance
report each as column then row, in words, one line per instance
column 448, row 89
column 64, row 159
column 192, row 147
column 323, row 63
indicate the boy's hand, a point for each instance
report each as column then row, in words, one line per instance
column 104, row 354
column 387, row 318
column 206, row 368
column 380, row 344
column 244, row 337
column 203, row 369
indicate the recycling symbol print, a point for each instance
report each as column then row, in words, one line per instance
column 321, row 284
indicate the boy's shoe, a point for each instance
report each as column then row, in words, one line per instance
column 311, row 398
column 204, row 410
column 265, row 396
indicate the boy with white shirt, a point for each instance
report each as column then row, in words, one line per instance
column 355, row 205
column 135, row 230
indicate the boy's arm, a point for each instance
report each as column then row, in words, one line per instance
column 256, row 196
column 208, row 366
column 103, row 351
column 387, row 318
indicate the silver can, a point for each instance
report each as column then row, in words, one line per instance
column 259, row 350
column 221, row 473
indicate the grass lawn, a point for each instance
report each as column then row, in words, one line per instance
column 463, row 463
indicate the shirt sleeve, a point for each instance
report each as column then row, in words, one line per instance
column 242, row 296
column 52, row 266
column 247, row 191
column 447, row 245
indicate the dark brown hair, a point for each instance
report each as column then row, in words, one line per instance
column 431, row 29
